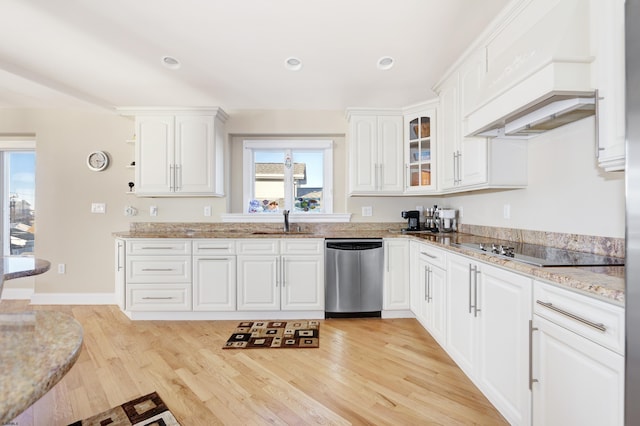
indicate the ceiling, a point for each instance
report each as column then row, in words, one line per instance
column 87, row 53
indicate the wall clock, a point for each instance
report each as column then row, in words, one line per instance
column 98, row 161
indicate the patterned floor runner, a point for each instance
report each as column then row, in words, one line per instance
column 275, row 334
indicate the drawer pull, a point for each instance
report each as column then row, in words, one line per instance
column 157, row 298
column 158, row 248
column 597, row 326
column 213, row 248
column 157, row 270
column 432, row 256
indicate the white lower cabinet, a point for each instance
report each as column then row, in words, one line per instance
column 214, row 275
column 280, row 275
column 578, row 363
column 158, row 275
column 396, row 293
column 428, row 295
column 488, row 312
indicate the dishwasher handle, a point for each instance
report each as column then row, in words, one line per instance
column 354, row 245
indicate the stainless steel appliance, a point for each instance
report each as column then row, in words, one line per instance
column 538, row 255
column 446, row 221
column 632, row 240
column 413, row 220
column 353, row 277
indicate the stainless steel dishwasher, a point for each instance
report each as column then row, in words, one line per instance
column 353, row 277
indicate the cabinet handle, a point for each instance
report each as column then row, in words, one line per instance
column 471, row 269
column 118, row 265
column 213, row 248
column 178, row 178
column 426, row 284
column 157, row 298
column 158, row 248
column 430, row 298
column 475, row 292
column 282, row 272
column 597, row 326
column 381, row 184
column 172, row 177
column 597, row 120
column 531, row 379
column 157, row 269
column 455, row 173
column 432, row 256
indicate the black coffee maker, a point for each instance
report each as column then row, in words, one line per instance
column 413, row 218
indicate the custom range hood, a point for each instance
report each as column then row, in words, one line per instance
column 548, row 112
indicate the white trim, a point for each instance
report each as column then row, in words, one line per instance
column 17, row 144
column 397, row 314
column 277, row 218
column 237, row 315
column 17, row 293
column 73, row 299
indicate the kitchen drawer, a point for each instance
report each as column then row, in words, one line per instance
column 214, row 247
column 160, row 246
column 581, row 314
column 432, row 255
column 166, row 297
column 302, row 246
column 257, row 246
column 158, row 269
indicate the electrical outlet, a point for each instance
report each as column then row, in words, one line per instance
column 207, row 210
column 98, row 207
column 367, row 211
column 153, row 211
column 62, row 268
column 506, row 211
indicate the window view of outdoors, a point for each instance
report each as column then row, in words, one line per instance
column 287, row 178
column 20, row 175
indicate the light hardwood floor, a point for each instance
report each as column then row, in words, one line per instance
column 366, row 371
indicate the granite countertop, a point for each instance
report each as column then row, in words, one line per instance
column 37, row 348
column 603, row 282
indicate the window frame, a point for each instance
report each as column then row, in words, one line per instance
column 248, row 168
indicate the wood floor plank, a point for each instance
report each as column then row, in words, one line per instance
column 366, row 371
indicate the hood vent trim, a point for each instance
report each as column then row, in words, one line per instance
column 554, row 111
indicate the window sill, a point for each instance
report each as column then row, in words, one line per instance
column 277, row 218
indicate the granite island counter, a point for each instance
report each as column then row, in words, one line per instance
column 36, row 348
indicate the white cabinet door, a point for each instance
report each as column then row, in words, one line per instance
column 607, row 27
column 396, row 274
column 375, row 154
column 154, row 154
column 421, row 151
column 448, row 137
column 195, row 154
column 258, row 283
column 436, row 306
column 461, row 323
column 302, row 283
column 578, row 382
column 473, row 162
column 214, row 283
column 120, row 273
column 504, row 311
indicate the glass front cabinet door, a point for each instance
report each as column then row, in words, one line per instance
column 420, row 146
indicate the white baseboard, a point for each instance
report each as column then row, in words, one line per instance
column 231, row 315
column 73, row 299
column 17, row 293
column 398, row 314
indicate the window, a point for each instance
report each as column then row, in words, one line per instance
column 292, row 175
column 18, row 196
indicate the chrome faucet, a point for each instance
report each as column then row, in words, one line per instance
column 286, row 220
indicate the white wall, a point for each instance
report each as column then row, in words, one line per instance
column 566, row 192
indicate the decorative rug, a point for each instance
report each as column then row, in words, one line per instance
column 148, row 410
column 275, row 334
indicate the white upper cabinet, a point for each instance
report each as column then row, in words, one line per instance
column 608, row 44
column 375, row 153
column 420, row 149
column 179, row 152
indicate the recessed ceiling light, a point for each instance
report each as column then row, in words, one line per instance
column 170, row 62
column 385, row 63
column 292, row 63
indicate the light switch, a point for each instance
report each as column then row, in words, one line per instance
column 367, row 211
column 153, row 211
column 207, row 210
column 98, row 207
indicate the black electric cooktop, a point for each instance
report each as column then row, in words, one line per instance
column 538, row 255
